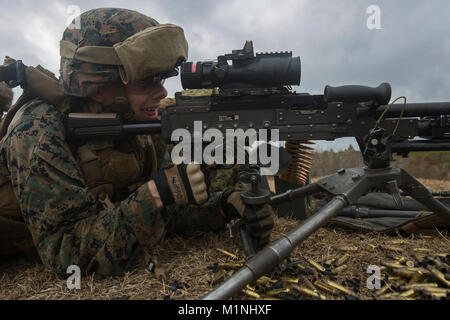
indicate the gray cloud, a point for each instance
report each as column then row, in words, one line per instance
column 411, row 51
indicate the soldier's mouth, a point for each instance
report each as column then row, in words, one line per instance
column 150, row 113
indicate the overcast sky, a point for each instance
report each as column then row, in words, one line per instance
column 411, row 50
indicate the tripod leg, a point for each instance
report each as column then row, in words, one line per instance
column 420, row 193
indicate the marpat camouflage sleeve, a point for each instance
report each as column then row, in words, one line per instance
column 68, row 226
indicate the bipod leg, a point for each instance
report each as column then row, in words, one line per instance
column 420, row 193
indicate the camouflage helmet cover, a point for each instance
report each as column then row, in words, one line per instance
column 98, row 27
column 6, row 96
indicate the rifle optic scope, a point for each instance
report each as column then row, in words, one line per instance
column 265, row 70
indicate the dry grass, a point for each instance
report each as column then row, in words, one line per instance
column 188, row 259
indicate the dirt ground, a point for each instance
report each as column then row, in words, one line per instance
column 190, row 268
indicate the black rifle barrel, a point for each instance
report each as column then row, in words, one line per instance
column 420, row 145
column 416, row 109
column 265, row 260
column 364, row 212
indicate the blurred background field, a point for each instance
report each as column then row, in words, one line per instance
column 429, row 165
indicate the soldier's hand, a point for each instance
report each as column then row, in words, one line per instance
column 182, row 184
column 258, row 218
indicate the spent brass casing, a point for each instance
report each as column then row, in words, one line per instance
column 392, row 279
column 324, row 287
column 437, row 290
column 410, row 263
column 339, row 287
column 383, row 290
column 309, row 292
column 340, row 268
column 227, row 253
column 421, row 250
column 315, row 265
column 342, row 259
column 416, row 278
column 419, row 286
column 251, row 293
column 290, row 280
column 230, row 265
column 346, row 248
column 330, row 261
column 249, row 287
column 400, row 259
column 440, row 276
column 407, row 294
column 308, row 284
column 277, row 291
column 398, row 241
column 392, row 265
column 389, row 295
column 404, row 272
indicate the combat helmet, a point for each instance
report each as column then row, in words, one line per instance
column 113, row 45
column 6, row 96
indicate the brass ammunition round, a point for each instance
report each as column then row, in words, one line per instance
column 389, row 295
column 340, row 268
column 324, row 287
column 309, row 292
column 230, row 265
column 289, row 280
column 440, row 276
column 249, row 287
column 339, row 287
column 404, row 273
column 408, row 293
column 315, row 265
column 410, row 263
column 419, row 285
column 422, row 250
column 342, row 259
column 251, row 293
column 277, row 291
column 398, row 241
column 392, row 265
column 308, row 284
column 227, row 253
column 383, row 290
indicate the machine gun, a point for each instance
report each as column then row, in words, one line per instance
column 254, row 93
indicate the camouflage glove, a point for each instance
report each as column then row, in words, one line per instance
column 182, row 184
column 258, row 218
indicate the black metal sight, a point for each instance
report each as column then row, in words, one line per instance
column 265, row 70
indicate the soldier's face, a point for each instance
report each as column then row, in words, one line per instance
column 145, row 99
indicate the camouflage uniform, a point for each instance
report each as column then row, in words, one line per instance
column 71, row 217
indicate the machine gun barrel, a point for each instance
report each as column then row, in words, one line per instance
column 416, row 109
